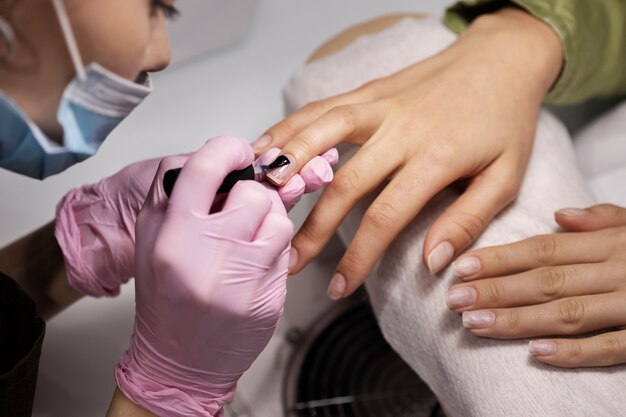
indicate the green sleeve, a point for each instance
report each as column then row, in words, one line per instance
column 593, row 34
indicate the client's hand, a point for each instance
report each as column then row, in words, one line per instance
column 559, row 284
column 210, row 288
column 467, row 113
column 95, row 224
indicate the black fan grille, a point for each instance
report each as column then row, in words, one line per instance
column 345, row 368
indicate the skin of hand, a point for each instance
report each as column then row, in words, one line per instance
column 95, row 224
column 561, row 284
column 210, row 284
column 468, row 113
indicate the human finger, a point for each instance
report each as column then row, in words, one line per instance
column 205, row 171
column 292, row 192
column 332, row 156
column 284, row 131
column 568, row 316
column 156, row 193
column 606, row 349
column 597, row 217
column 246, row 206
column 544, row 250
column 316, row 173
column 357, row 178
column 275, row 230
column 461, row 223
column 349, row 123
column 536, row 286
column 394, row 208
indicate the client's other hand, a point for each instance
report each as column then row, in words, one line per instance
column 559, row 284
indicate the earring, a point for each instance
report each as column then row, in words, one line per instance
column 7, row 36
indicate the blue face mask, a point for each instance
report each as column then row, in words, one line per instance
column 92, row 105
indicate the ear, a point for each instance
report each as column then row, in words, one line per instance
column 7, row 35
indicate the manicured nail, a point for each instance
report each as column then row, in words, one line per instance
column 480, row 319
column 281, row 169
column 542, row 347
column 337, row 287
column 573, row 212
column 461, row 297
column 440, row 257
column 293, row 258
column 465, row 267
column 261, row 143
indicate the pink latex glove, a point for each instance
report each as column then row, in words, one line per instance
column 95, row 224
column 313, row 176
column 210, row 288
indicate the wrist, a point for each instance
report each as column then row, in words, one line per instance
column 164, row 387
column 526, row 46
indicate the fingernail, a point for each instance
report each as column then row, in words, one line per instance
column 461, row 297
column 293, row 258
column 440, row 257
column 337, row 287
column 481, row 319
column 281, row 169
column 542, row 347
column 465, row 267
column 573, row 212
column 261, row 143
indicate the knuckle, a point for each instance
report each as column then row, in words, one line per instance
column 551, row 282
column 255, row 194
column 288, row 128
column 543, row 248
column 345, row 182
column 513, row 321
column 347, row 115
column 352, row 261
column 493, row 259
column 571, row 313
column 612, row 349
column 169, row 162
column 574, row 352
column 470, row 225
column 308, row 236
column 303, row 144
column 203, row 166
column 381, row 216
column 492, row 292
column 313, row 107
column 163, row 257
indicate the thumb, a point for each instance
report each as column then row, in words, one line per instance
column 597, row 217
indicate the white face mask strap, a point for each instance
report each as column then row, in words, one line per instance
column 70, row 39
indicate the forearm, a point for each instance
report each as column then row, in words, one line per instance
column 123, row 407
column 35, row 262
column 592, row 36
column 515, row 45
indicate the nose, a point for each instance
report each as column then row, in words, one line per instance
column 158, row 55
